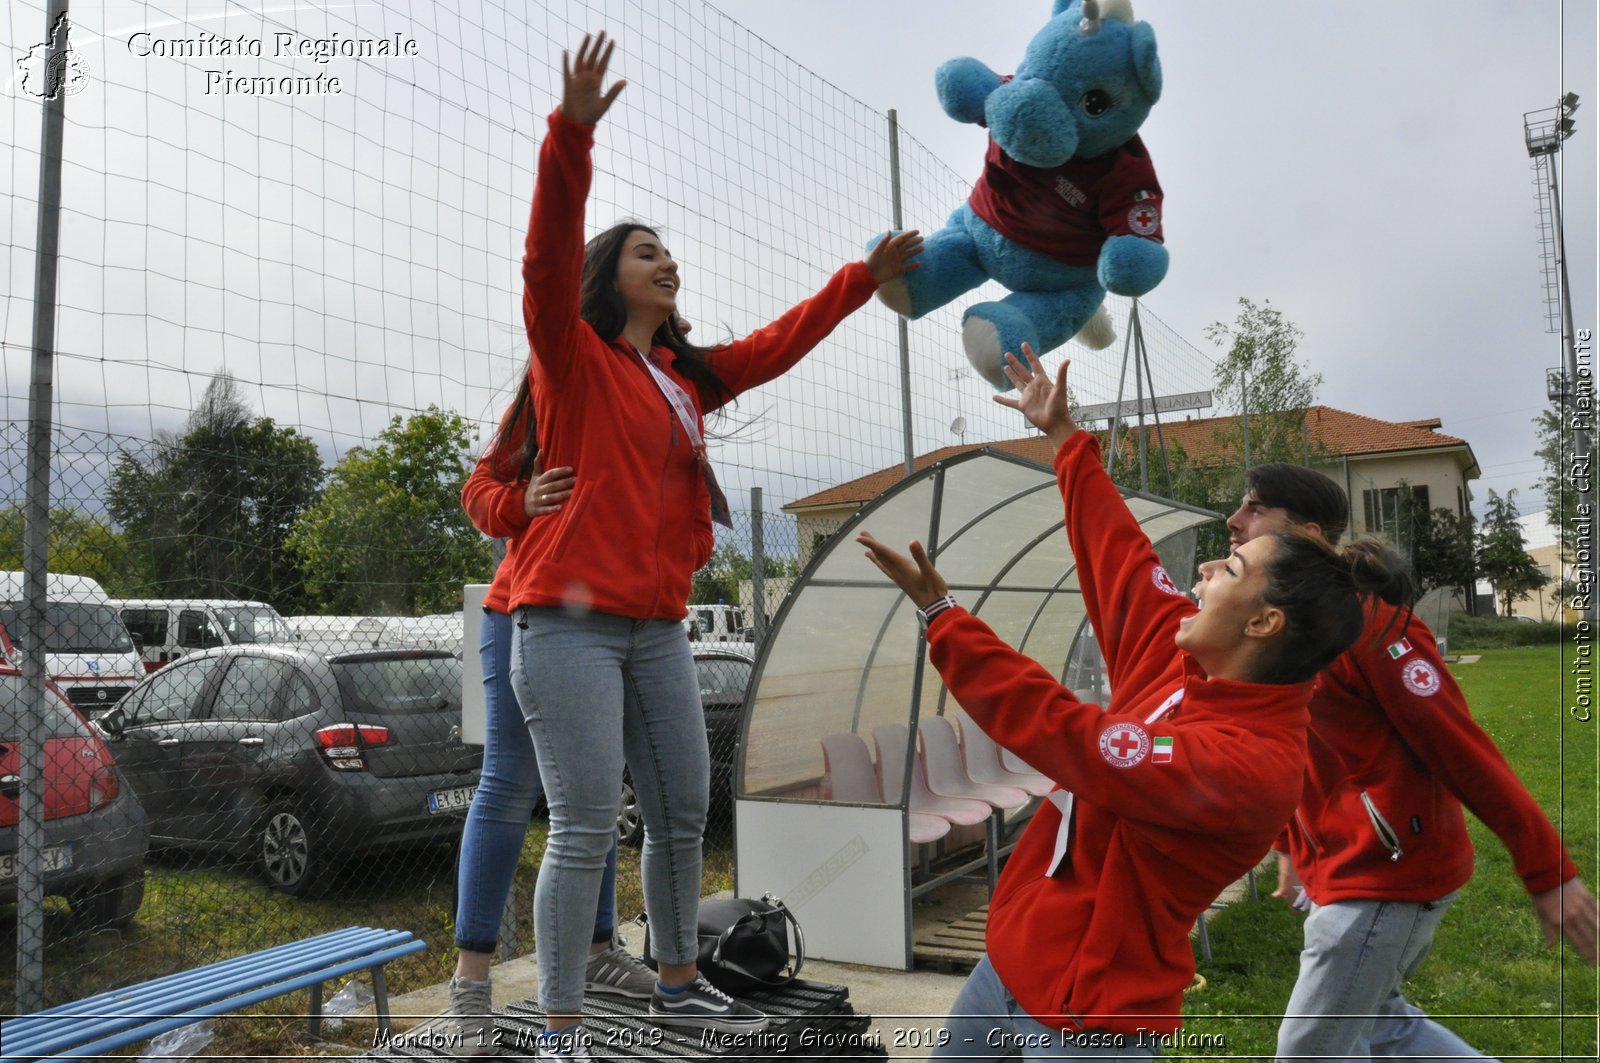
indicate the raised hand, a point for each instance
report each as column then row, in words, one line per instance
column 894, row 255
column 915, row 574
column 1037, row 399
column 581, row 79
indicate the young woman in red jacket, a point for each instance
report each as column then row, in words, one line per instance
column 1170, row 793
column 600, row 663
column 1379, row 842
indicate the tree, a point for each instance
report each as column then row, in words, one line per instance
column 1268, row 390
column 1562, row 470
column 80, row 544
column 208, row 512
column 718, row 580
column 1442, row 550
column 1503, row 555
column 389, row 536
column 1260, row 373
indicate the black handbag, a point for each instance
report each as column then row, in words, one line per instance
column 744, row 944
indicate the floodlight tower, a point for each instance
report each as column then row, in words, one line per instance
column 1544, row 131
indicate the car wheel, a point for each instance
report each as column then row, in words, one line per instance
column 630, row 821
column 110, row 902
column 285, row 852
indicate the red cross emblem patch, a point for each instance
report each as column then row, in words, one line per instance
column 1124, row 744
column 1161, row 579
column 1421, row 678
column 1144, row 219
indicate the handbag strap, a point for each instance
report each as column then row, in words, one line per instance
column 757, row 917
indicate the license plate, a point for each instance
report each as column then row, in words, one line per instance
column 455, row 800
column 56, row 858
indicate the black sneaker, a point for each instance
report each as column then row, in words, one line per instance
column 703, row 1005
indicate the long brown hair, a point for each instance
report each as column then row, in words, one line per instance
column 602, row 307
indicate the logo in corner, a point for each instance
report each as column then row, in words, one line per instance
column 44, row 76
column 1421, row 678
column 1159, row 577
column 1124, row 744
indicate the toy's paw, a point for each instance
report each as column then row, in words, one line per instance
column 896, row 295
column 963, row 85
column 1131, row 265
column 982, row 343
column 1098, row 332
column 988, row 331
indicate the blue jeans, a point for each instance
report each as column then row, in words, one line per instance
column 508, row 791
column 611, row 688
column 986, row 1022
column 1346, row 1004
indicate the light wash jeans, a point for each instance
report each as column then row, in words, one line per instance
column 596, row 688
column 1346, row 1004
column 986, row 1022
column 508, row 791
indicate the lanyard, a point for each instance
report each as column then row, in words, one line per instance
column 684, row 408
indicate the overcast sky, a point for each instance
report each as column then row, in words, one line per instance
column 1360, row 165
column 352, row 256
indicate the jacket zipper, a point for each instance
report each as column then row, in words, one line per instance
column 1311, row 838
column 1386, row 833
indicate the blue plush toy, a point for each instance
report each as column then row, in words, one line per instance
column 1068, row 206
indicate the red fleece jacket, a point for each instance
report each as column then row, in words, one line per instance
column 1168, row 811
column 638, row 523
column 1394, row 754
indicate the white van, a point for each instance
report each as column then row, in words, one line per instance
column 716, row 623
column 87, row 649
column 348, row 634
column 168, row 628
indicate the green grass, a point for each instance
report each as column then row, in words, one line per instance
column 197, row 911
column 1474, row 633
column 1489, row 973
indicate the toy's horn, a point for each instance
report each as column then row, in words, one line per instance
column 1090, row 23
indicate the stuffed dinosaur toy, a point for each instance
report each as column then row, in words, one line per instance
column 1068, row 206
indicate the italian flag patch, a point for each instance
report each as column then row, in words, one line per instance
column 1161, row 750
column 1399, row 649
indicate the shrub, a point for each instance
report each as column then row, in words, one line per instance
column 1497, row 632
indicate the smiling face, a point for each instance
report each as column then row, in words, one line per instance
column 1234, row 620
column 647, row 278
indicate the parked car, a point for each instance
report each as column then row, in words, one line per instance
column 295, row 760
column 724, row 670
column 95, row 831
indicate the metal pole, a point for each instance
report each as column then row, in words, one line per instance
column 1578, row 423
column 36, row 525
column 904, row 333
column 758, row 566
column 1138, row 397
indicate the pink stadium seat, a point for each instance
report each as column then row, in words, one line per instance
column 983, row 761
column 891, row 742
column 947, row 774
column 851, row 777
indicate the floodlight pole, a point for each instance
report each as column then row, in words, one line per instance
column 1546, row 144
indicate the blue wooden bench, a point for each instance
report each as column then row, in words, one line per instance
column 104, row 1023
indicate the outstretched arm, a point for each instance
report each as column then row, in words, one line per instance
column 552, row 260
column 1132, row 602
column 774, row 349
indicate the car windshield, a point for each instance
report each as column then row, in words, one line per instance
column 399, row 684
column 260, row 624
column 72, row 628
